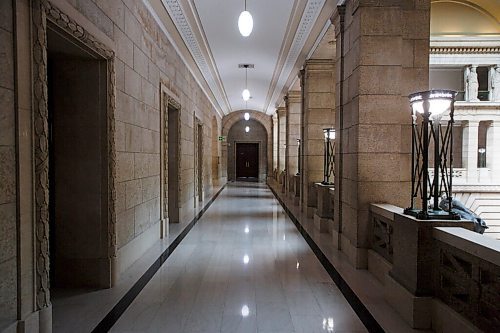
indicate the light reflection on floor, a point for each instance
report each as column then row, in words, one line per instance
column 243, row 268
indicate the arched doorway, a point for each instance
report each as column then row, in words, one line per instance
column 247, row 151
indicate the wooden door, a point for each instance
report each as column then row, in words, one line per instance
column 247, row 160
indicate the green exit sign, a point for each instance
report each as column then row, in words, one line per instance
column 222, row 138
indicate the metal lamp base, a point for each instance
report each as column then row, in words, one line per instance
column 432, row 214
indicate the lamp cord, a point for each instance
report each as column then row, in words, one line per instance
column 245, row 5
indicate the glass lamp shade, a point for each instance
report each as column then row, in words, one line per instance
column 246, row 95
column 440, row 102
column 245, row 23
column 329, row 133
column 247, row 129
column 247, row 116
column 298, row 142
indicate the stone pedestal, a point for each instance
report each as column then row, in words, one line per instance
column 323, row 216
column 312, row 200
column 291, row 187
column 281, row 138
column 411, row 280
column 413, row 251
column 296, row 190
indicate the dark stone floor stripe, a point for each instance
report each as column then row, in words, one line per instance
column 112, row 317
column 364, row 315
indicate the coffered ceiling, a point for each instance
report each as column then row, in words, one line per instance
column 205, row 33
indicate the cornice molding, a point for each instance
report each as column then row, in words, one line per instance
column 309, row 18
column 464, row 50
column 189, row 29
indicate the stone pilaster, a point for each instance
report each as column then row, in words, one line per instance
column 281, row 141
column 493, row 150
column 275, row 145
column 318, row 113
column 382, row 56
column 469, row 150
column 293, row 121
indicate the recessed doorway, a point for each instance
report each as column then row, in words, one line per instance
column 78, row 164
column 247, row 161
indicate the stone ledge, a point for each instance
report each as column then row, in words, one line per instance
column 471, row 242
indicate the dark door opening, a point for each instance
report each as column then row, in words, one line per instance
column 247, row 161
column 78, row 164
column 199, row 147
column 173, row 164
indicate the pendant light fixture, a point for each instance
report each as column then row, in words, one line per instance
column 246, row 93
column 245, row 22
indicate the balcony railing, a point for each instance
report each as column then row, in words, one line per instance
column 468, row 275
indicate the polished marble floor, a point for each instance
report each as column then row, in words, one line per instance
column 242, row 268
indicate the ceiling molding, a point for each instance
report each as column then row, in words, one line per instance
column 167, row 26
column 187, row 23
column 312, row 23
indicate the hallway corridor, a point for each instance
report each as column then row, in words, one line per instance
column 243, row 267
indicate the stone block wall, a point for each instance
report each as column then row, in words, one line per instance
column 293, row 123
column 385, row 50
column 8, row 184
column 281, row 139
column 319, row 113
column 145, row 58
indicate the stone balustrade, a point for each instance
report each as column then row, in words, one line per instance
column 323, row 214
column 467, row 275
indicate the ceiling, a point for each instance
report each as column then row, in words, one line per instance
column 205, row 33
column 286, row 33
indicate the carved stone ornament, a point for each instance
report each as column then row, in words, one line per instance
column 43, row 11
column 168, row 101
column 464, row 50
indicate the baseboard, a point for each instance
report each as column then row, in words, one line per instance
column 136, row 248
column 416, row 311
column 378, row 266
column 445, row 319
column 322, row 224
column 357, row 256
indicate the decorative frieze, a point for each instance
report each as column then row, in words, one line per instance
column 464, row 50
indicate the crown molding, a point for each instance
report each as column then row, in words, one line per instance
column 178, row 27
column 464, row 50
column 315, row 15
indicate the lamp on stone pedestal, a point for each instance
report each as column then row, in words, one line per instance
column 431, row 138
column 328, row 156
column 298, row 157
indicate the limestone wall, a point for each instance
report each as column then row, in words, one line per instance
column 8, row 284
column 385, row 58
column 144, row 61
column 145, row 58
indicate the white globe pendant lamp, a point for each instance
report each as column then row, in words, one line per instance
column 246, row 95
column 245, row 22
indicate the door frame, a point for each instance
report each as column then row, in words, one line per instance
column 258, row 142
column 42, row 12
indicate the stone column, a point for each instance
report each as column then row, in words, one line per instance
column 281, row 142
column 293, row 109
column 469, row 150
column 318, row 113
column 493, row 150
column 382, row 55
column 275, row 145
